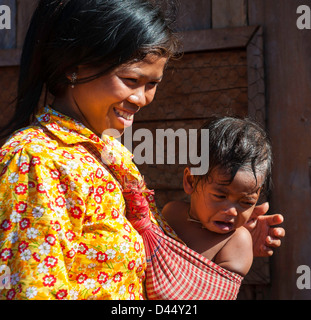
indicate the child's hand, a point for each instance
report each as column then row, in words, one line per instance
column 265, row 236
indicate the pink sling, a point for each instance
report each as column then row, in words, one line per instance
column 175, row 272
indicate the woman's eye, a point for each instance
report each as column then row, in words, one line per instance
column 153, row 84
column 131, row 80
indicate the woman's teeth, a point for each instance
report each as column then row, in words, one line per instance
column 123, row 114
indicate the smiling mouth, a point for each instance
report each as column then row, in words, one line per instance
column 123, row 114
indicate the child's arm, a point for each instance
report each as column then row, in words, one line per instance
column 237, row 253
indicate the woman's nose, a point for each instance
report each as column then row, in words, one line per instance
column 138, row 97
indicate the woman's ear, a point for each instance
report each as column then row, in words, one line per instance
column 73, row 72
column 188, row 181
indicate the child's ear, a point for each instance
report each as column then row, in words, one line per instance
column 188, row 181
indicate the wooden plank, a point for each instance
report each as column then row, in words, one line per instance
column 256, row 78
column 10, row 57
column 25, row 11
column 8, row 85
column 196, row 105
column 199, row 85
column 229, row 13
column 288, row 78
column 210, row 58
column 208, row 79
column 216, row 39
column 8, row 36
column 194, row 15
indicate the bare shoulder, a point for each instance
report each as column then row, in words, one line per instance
column 237, row 253
column 242, row 237
column 171, row 209
column 175, row 213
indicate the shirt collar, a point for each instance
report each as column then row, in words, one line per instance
column 68, row 130
column 71, row 131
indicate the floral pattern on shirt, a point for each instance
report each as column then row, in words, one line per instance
column 63, row 229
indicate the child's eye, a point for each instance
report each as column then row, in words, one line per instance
column 219, row 196
column 248, row 204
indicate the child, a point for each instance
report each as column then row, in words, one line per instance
column 223, row 200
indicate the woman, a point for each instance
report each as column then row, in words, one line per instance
column 64, row 234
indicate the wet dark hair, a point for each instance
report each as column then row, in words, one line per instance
column 234, row 144
column 64, row 34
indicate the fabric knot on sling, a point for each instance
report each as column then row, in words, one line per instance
column 137, row 206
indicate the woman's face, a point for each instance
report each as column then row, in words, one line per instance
column 110, row 102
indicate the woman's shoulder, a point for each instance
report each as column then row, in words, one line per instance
column 33, row 134
column 31, row 141
column 27, row 137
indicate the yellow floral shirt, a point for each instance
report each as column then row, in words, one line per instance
column 63, row 229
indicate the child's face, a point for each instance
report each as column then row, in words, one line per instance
column 220, row 207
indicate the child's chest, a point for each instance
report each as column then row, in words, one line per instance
column 203, row 241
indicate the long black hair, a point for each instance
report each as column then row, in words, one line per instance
column 64, row 34
column 238, row 143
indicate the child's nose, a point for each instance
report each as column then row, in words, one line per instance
column 231, row 211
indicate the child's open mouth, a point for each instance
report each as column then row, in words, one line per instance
column 224, row 226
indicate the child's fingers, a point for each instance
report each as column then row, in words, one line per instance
column 260, row 210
